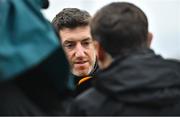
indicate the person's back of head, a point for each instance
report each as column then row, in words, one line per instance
column 120, row 27
column 71, row 18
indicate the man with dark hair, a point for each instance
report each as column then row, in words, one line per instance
column 133, row 80
column 72, row 24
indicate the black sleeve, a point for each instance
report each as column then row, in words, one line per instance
column 76, row 110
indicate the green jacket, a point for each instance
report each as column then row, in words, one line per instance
column 26, row 37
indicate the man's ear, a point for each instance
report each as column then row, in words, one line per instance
column 104, row 59
column 96, row 47
column 149, row 39
column 99, row 51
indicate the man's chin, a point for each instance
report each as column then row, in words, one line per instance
column 80, row 73
column 81, row 70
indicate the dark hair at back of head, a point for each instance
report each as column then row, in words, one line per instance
column 120, row 27
column 71, row 18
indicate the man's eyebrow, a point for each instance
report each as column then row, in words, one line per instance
column 86, row 39
column 67, row 41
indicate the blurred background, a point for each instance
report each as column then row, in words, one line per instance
column 163, row 15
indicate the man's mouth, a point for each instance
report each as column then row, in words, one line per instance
column 81, row 65
column 81, row 62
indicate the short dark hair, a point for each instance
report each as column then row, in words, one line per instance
column 120, row 27
column 71, row 18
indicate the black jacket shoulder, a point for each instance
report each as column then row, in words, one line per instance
column 140, row 84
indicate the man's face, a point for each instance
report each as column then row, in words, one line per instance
column 79, row 48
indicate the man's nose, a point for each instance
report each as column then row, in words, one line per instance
column 80, row 51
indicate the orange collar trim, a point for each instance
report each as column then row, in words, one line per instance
column 84, row 79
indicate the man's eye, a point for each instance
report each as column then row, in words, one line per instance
column 69, row 46
column 85, row 43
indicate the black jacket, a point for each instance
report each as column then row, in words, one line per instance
column 39, row 91
column 140, row 83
